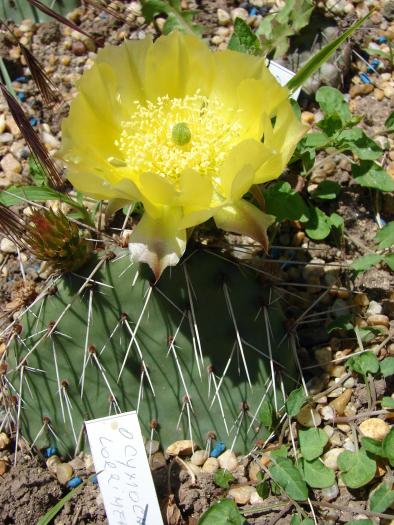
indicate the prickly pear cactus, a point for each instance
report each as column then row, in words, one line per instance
column 195, row 353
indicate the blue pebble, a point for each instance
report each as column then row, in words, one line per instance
column 50, row 451
column 275, row 253
column 33, row 121
column 365, row 78
column 94, row 479
column 253, row 11
column 22, row 80
column 382, row 40
column 74, row 482
column 375, row 62
column 218, row 449
column 21, row 95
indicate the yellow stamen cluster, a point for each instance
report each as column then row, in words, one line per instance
column 154, row 139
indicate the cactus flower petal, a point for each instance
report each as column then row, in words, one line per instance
column 158, row 241
column 182, row 129
column 244, row 218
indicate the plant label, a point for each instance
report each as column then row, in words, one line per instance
column 124, row 475
column 283, row 75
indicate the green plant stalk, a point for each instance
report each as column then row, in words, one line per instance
column 307, row 70
column 6, row 77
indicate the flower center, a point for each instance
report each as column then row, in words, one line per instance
column 172, row 134
column 181, row 134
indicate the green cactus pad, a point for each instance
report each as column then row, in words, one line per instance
column 207, row 316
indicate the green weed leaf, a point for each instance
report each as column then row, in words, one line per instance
column 381, row 498
column 223, row 512
column 387, row 402
column 359, row 143
column 285, row 474
column 388, row 447
column 263, row 489
column 370, row 175
column 389, row 124
column 312, row 442
column 385, row 236
column 297, row 520
column 318, row 226
column 243, row 39
column 357, row 468
column 327, row 190
column 317, row 475
column 373, row 446
column 365, row 262
column 286, row 204
column 364, row 363
column 296, row 400
column 389, row 260
column 223, row 478
column 387, row 366
column 332, row 102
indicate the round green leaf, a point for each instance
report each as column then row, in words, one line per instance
column 357, row 468
column 289, row 478
column 317, row 475
column 312, row 442
column 223, row 512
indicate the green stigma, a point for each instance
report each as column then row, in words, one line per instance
column 181, row 134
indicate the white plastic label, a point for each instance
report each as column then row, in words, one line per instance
column 283, row 75
column 124, row 475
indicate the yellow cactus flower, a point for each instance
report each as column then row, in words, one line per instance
column 182, row 129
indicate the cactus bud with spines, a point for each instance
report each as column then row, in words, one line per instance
column 52, row 237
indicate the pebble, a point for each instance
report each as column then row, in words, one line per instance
column 199, row 458
column 339, row 404
column 374, row 428
column 241, row 493
column 9, row 164
column 327, row 413
column 330, row 493
column 349, row 445
column 315, row 268
column 7, row 246
column 77, row 463
column 340, row 308
column 3, row 467
column 78, row 48
column 228, row 461
column 255, row 499
column 388, row 91
column 308, row 417
column 157, row 461
column 50, row 140
column 239, row 12
column 323, row 356
column 184, row 447
column 193, row 468
column 210, row 466
column 64, row 472
column 361, row 299
column 378, row 94
column 224, row 18
column 52, row 463
column 388, row 10
column 218, row 449
column 330, row 458
column 5, row 138
column 307, row 117
column 254, row 469
column 374, row 308
column 2, row 123
column 359, row 90
column 4, row 440
column 378, row 320
column 152, row 446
